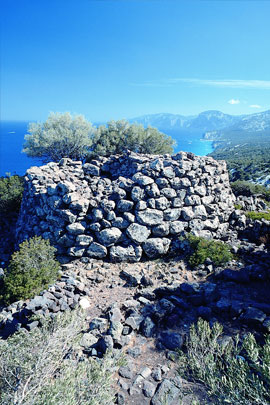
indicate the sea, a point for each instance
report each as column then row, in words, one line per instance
column 13, row 161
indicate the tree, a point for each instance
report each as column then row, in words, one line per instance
column 60, row 136
column 118, row 136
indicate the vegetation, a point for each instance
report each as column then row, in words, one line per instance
column 247, row 157
column 42, row 367
column 233, row 373
column 31, row 269
column 202, row 248
column 61, row 135
column 11, row 190
column 118, row 136
column 258, row 215
column 249, row 189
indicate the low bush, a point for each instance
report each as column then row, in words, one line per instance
column 31, row 269
column 11, row 190
column 202, row 248
column 234, row 373
column 42, row 367
column 258, row 215
column 248, row 189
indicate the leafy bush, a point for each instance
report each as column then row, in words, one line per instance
column 31, row 269
column 258, row 215
column 42, row 367
column 60, row 136
column 203, row 248
column 11, row 190
column 234, row 373
column 119, row 136
column 248, row 189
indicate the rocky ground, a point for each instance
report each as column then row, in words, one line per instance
column 144, row 311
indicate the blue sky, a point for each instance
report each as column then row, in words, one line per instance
column 112, row 59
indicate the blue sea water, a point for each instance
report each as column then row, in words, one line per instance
column 13, row 161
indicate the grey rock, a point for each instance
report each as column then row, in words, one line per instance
column 138, row 233
column 149, row 389
column 137, row 194
column 115, row 330
column 97, row 250
column 150, row 217
column 91, row 169
column 187, row 213
column 154, row 247
column 157, row 374
column 126, row 372
column 88, row 340
column 153, row 190
column 128, row 254
column 142, row 180
column 168, row 192
column 253, row 315
column 162, row 203
column 171, row 340
column 98, row 323
column 124, row 205
column 148, row 327
column 134, row 322
column 134, row 351
column 121, row 398
column 84, row 240
column 177, row 227
column 120, row 223
column 167, row 391
column 105, row 343
column 76, row 228
column 161, row 230
column 32, row 325
column 172, row 214
column 109, row 236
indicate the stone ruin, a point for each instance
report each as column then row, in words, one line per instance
column 125, row 207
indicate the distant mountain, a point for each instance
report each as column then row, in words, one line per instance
column 207, row 121
column 247, row 125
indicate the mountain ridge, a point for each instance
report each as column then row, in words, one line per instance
column 206, row 121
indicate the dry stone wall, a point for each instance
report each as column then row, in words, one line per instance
column 125, row 207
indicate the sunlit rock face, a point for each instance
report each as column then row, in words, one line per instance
column 125, row 206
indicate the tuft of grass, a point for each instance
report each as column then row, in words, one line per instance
column 258, row 215
column 234, row 373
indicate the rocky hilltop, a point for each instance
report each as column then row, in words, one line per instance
column 125, row 207
column 133, row 208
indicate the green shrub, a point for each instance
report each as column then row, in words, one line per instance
column 258, row 215
column 202, row 248
column 31, row 269
column 248, row 189
column 234, row 373
column 11, row 190
column 118, row 136
column 43, row 367
column 238, row 206
column 61, row 135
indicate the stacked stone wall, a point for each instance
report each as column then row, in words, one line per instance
column 125, row 207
